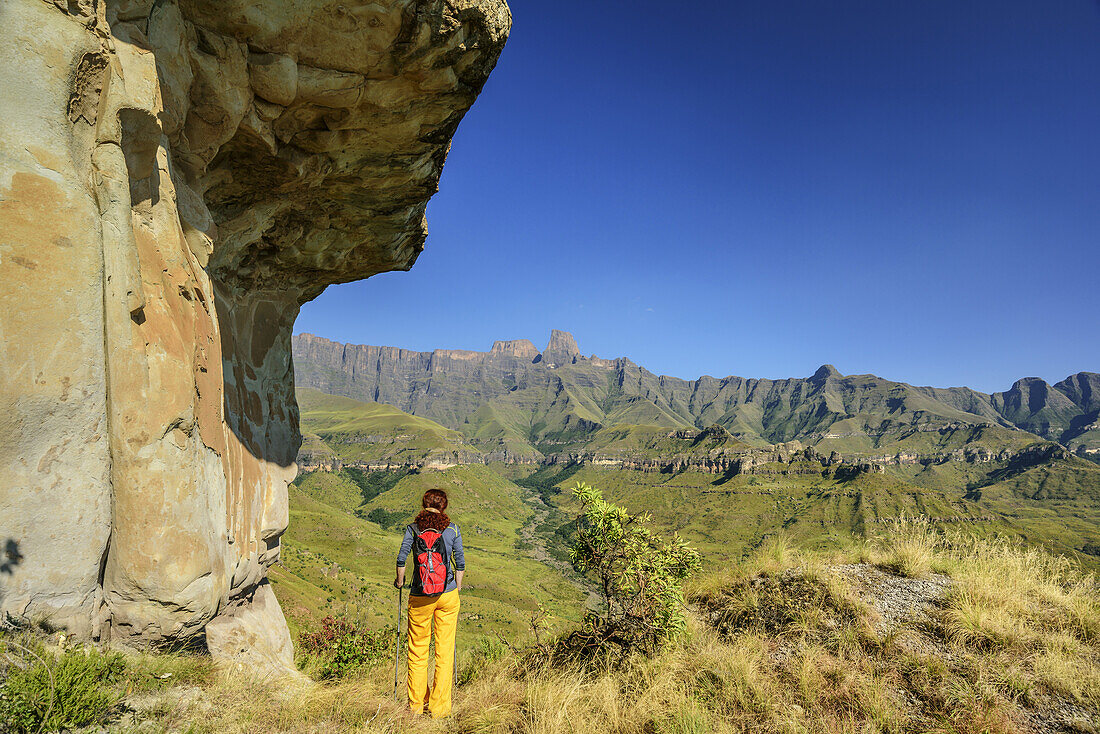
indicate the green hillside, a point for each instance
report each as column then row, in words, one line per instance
column 911, row 632
column 627, row 441
column 883, row 455
column 345, row 528
column 731, row 516
column 372, row 433
column 862, row 471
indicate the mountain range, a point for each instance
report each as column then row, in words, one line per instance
column 521, row 404
column 728, row 462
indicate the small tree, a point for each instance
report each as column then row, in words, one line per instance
column 640, row 574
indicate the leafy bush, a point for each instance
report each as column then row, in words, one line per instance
column 342, row 648
column 639, row 573
column 46, row 691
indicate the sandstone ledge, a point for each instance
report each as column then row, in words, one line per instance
column 176, row 179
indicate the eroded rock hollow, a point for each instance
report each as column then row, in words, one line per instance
column 176, row 178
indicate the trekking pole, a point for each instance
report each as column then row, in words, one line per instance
column 397, row 647
column 456, row 654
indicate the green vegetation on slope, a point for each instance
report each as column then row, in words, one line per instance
column 641, row 442
column 371, row 433
column 52, row 683
column 998, row 478
column 336, row 560
column 530, row 405
column 1056, row 504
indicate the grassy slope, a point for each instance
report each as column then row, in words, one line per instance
column 1057, row 505
column 785, row 641
column 360, row 431
column 626, row 440
column 730, row 517
column 315, row 447
column 859, row 436
column 501, row 426
column 328, row 526
column 724, row 517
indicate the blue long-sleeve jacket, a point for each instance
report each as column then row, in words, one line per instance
column 452, row 547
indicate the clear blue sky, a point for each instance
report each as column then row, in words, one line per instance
column 756, row 188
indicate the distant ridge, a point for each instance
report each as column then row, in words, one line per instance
column 517, row 399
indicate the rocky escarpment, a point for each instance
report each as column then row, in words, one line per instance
column 1067, row 412
column 551, row 401
column 794, row 459
column 176, row 178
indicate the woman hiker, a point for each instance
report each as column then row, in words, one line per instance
column 438, row 566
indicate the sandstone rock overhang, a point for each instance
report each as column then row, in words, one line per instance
column 176, row 178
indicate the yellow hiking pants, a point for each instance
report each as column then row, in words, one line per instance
column 443, row 609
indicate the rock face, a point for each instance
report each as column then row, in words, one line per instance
column 176, row 178
column 562, row 348
column 451, row 386
column 521, row 349
column 532, row 405
column 1067, row 411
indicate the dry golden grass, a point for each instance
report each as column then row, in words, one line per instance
column 1037, row 610
column 1018, row 632
column 908, row 547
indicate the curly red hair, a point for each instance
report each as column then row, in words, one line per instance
column 436, row 499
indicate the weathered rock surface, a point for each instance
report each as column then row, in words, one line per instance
column 562, row 348
column 176, row 179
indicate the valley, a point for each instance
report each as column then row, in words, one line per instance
column 508, row 442
column 338, row 555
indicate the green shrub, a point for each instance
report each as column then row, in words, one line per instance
column 342, row 648
column 485, row 652
column 46, row 691
column 639, row 573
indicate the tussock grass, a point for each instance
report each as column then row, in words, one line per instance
column 776, row 554
column 48, row 682
column 1037, row 610
column 909, row 547
column 780, row 643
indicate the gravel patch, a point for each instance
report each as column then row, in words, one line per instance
column 898, row 601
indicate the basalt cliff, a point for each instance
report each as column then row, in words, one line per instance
column 560, row 406
column 176, row 178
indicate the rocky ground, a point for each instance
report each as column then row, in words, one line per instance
column 911, row 606
column 897, row 600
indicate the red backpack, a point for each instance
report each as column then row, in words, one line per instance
column 432, row 564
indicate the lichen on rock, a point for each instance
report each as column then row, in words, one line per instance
column 176, row 179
